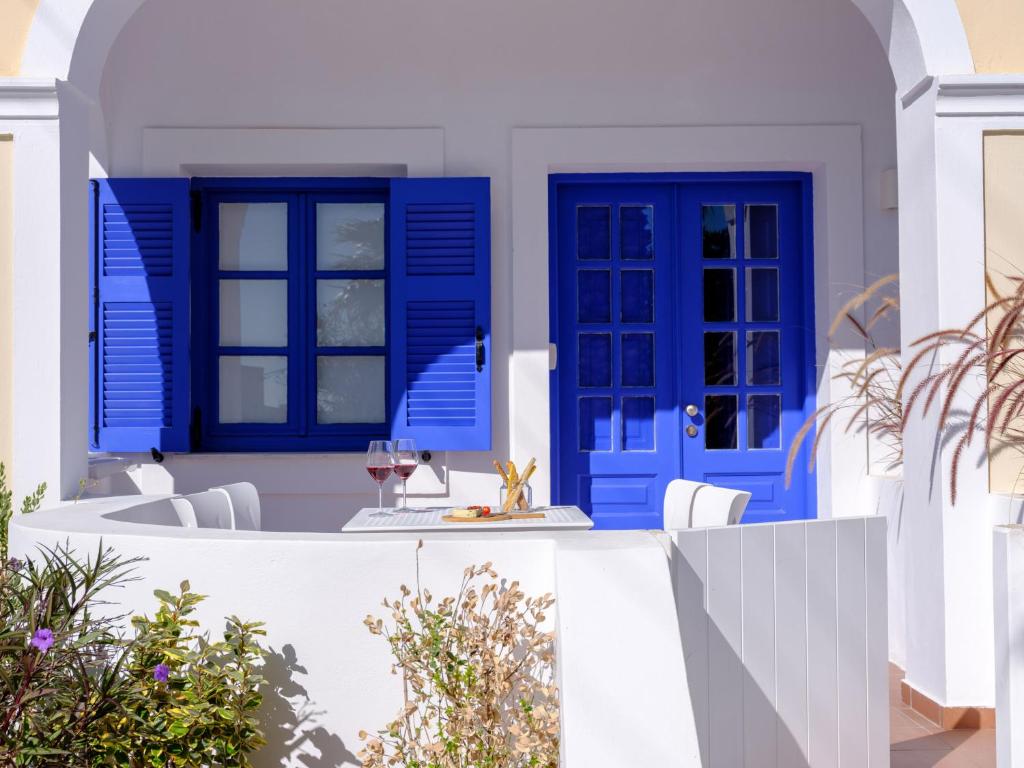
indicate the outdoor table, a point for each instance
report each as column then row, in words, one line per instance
column 428, row 519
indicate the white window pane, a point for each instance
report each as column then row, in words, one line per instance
column 253, row 390
column 254, row 236
column 350, row 313
column 350, row 390
column 254, row 313
column 349, row 236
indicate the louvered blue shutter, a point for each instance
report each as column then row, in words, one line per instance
column 440, row 313
column 140, row 265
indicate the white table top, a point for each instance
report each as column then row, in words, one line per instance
column 370, row 520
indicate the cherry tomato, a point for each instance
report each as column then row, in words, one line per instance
column 486, row 511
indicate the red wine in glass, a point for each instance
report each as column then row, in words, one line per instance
column 379, row 463
column 380, row 474
column 404, row 471
column 406, row 458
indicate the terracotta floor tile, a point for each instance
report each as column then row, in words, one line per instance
column 921, row 759
column 921, row 720
column 916, row 742
column 910, row 740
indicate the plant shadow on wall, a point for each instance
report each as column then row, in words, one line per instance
column 870, row 385
column 973, row 377
column 478, row 678
column 291, row 721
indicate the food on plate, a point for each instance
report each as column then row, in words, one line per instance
column 469, row 512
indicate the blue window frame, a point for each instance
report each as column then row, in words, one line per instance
column 321, row 381
column 354, row 309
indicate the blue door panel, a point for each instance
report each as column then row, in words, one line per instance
column 682, row 311
column 617, row 421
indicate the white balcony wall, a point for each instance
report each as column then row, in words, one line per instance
column 748, row 647
column 784, row 632
column 621, row 670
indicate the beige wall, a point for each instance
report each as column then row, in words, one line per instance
column 1004, row 260
column 995, row 31
column 6, row 277
column 15, row 20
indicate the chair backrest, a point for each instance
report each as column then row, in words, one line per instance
column 713, row 507
column 689, row 504
column 678, row 509
column 185, row 511
column 245, row 502
column 212, row 508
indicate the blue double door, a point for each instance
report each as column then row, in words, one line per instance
column 682, row 314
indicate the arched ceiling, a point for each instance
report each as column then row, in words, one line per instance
column 69, row 39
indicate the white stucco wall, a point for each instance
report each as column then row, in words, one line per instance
column 474, row 74
column 330, row 678
column 753, row 646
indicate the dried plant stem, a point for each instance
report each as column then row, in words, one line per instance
column 873, row 400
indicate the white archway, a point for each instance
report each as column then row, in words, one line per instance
column 70, row 39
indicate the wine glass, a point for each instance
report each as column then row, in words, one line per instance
column 406, row 459
column 379, row 465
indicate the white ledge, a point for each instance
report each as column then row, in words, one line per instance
column 28, row 98
column 980, row 95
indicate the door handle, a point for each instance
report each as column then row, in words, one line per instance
column 692, row 410
column 479, row 349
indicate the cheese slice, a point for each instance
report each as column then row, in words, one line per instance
column 462, row 512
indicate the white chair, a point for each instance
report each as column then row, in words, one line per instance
column 212, row 509
column 678, row 509
column 689, row 504
column 245, row 502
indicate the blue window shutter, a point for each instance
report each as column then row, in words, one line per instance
column 140, row 363
column 440, row 313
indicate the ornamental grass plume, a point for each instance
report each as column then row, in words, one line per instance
column 478, row 679
column 973, row 376
column 871, row 385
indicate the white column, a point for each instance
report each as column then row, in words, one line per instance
column 942, row 266
column 50, row 284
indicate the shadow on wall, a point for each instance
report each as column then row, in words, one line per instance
column 290, row 720
column 719, row 661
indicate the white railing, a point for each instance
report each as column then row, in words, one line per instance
column 1008, row 589
column 785, row 638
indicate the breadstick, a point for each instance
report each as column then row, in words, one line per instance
column 521, row 487
column 515, row 492
column 501, row 471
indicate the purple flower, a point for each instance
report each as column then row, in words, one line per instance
column 15, row 564
column 160, row 673
column 42, row 639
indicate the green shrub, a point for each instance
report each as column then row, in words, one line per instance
column 191, row 702
column 28, row 504
column 76, row 693
column 60, row 663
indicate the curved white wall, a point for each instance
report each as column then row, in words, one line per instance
column 313, row 591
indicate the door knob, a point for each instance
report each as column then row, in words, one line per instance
column 692, row 410
column 691, row 431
